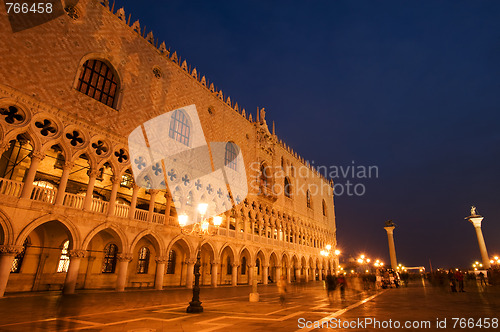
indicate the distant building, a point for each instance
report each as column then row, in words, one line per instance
column 71, row 91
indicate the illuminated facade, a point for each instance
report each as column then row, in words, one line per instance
column 71, row 91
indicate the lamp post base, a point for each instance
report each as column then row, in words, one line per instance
column 194, row 307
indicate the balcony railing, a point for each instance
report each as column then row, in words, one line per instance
column 48, row 195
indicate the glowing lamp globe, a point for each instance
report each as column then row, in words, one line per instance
column 202, row 208
column 217, row 221
column 183, row 219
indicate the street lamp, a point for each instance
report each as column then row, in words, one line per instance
column 198, row 229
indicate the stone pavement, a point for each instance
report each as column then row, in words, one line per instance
column 228, row 309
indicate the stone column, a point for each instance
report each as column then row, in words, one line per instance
column 88, row 273
column 87, row 204
column 392, row 247
column 215, row 271
column 250, row 274
column 7, row 255
column 61, row 189
column 133, row 201
column 160, row 272
column 190, row 273
column 306, row 274
column 114, row 192
column 121, row 280
column 289, row 274
column 320, row 272
column 152, row 199
column 75, row 257
column 228, row 221
column 278, row 273
column 168, row 204
column 265, row 274
column 234, row 275
column 36, row 157
column 476, row 221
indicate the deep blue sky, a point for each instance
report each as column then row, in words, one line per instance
column 412, row 87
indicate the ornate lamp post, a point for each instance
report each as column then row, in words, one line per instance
column 198, row 229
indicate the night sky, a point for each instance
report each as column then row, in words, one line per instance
column 412, row 87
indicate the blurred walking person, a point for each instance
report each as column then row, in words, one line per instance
column 342, row 285
column 331, row 284
column 282, row 289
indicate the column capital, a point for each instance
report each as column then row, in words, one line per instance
column 37, row 155
column 215, row 262
column 190, row 261
column 68, row 165
column 124, row 257
column 235, row 264
column 278, row 266
column 265, row 266
column 167, row 195
column 476, row 221
column 116, row 180
column 10, row 249
column 153, row 192
column 77, row 253
column 93, row 173
column 389, row 229
column 161, row 259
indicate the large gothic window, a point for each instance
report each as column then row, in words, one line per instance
column 288, row 188
column 308, row 199
column 143, row 261
column 98, row 81
column 18, row 260
column 109, row 262
column 230, row 156
column 179, row 127
column 64, row 258
column 324, row 208
column 171, row 262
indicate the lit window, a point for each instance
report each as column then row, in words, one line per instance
column 171, row 262
column 109, row 262
column 143, row 262
column 64, row 259
column 127, row 180
column 18, row 260
column 230, row 156
column 98, row 81
column 179, row 127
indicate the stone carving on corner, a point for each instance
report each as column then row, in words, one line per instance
column 265, row 139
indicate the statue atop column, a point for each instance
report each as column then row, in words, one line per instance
column 473, row 211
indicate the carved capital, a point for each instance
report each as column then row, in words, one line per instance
column 161, row 260
column 9, row 249
column 235, row 264
column 93, row 173
column 190, row 261
column 167, row 195
column 77, row 253
column 124, row 257
column 116, row 180
column 68, row 166
column 215, row 263
column 37, row 155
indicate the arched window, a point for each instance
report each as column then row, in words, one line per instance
column 229, row 266
column 189, row 199
column 244, row 265
column 109, row 262
column 257, row 265
column 179, row 127
column 324, row 208
column 308, row 199
column 230, row 156
column 288, row 187
column 264, row 176
column 18, row 260
column 64, row 258
column 98, row 81
column 143, row 261
column 171, row 262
